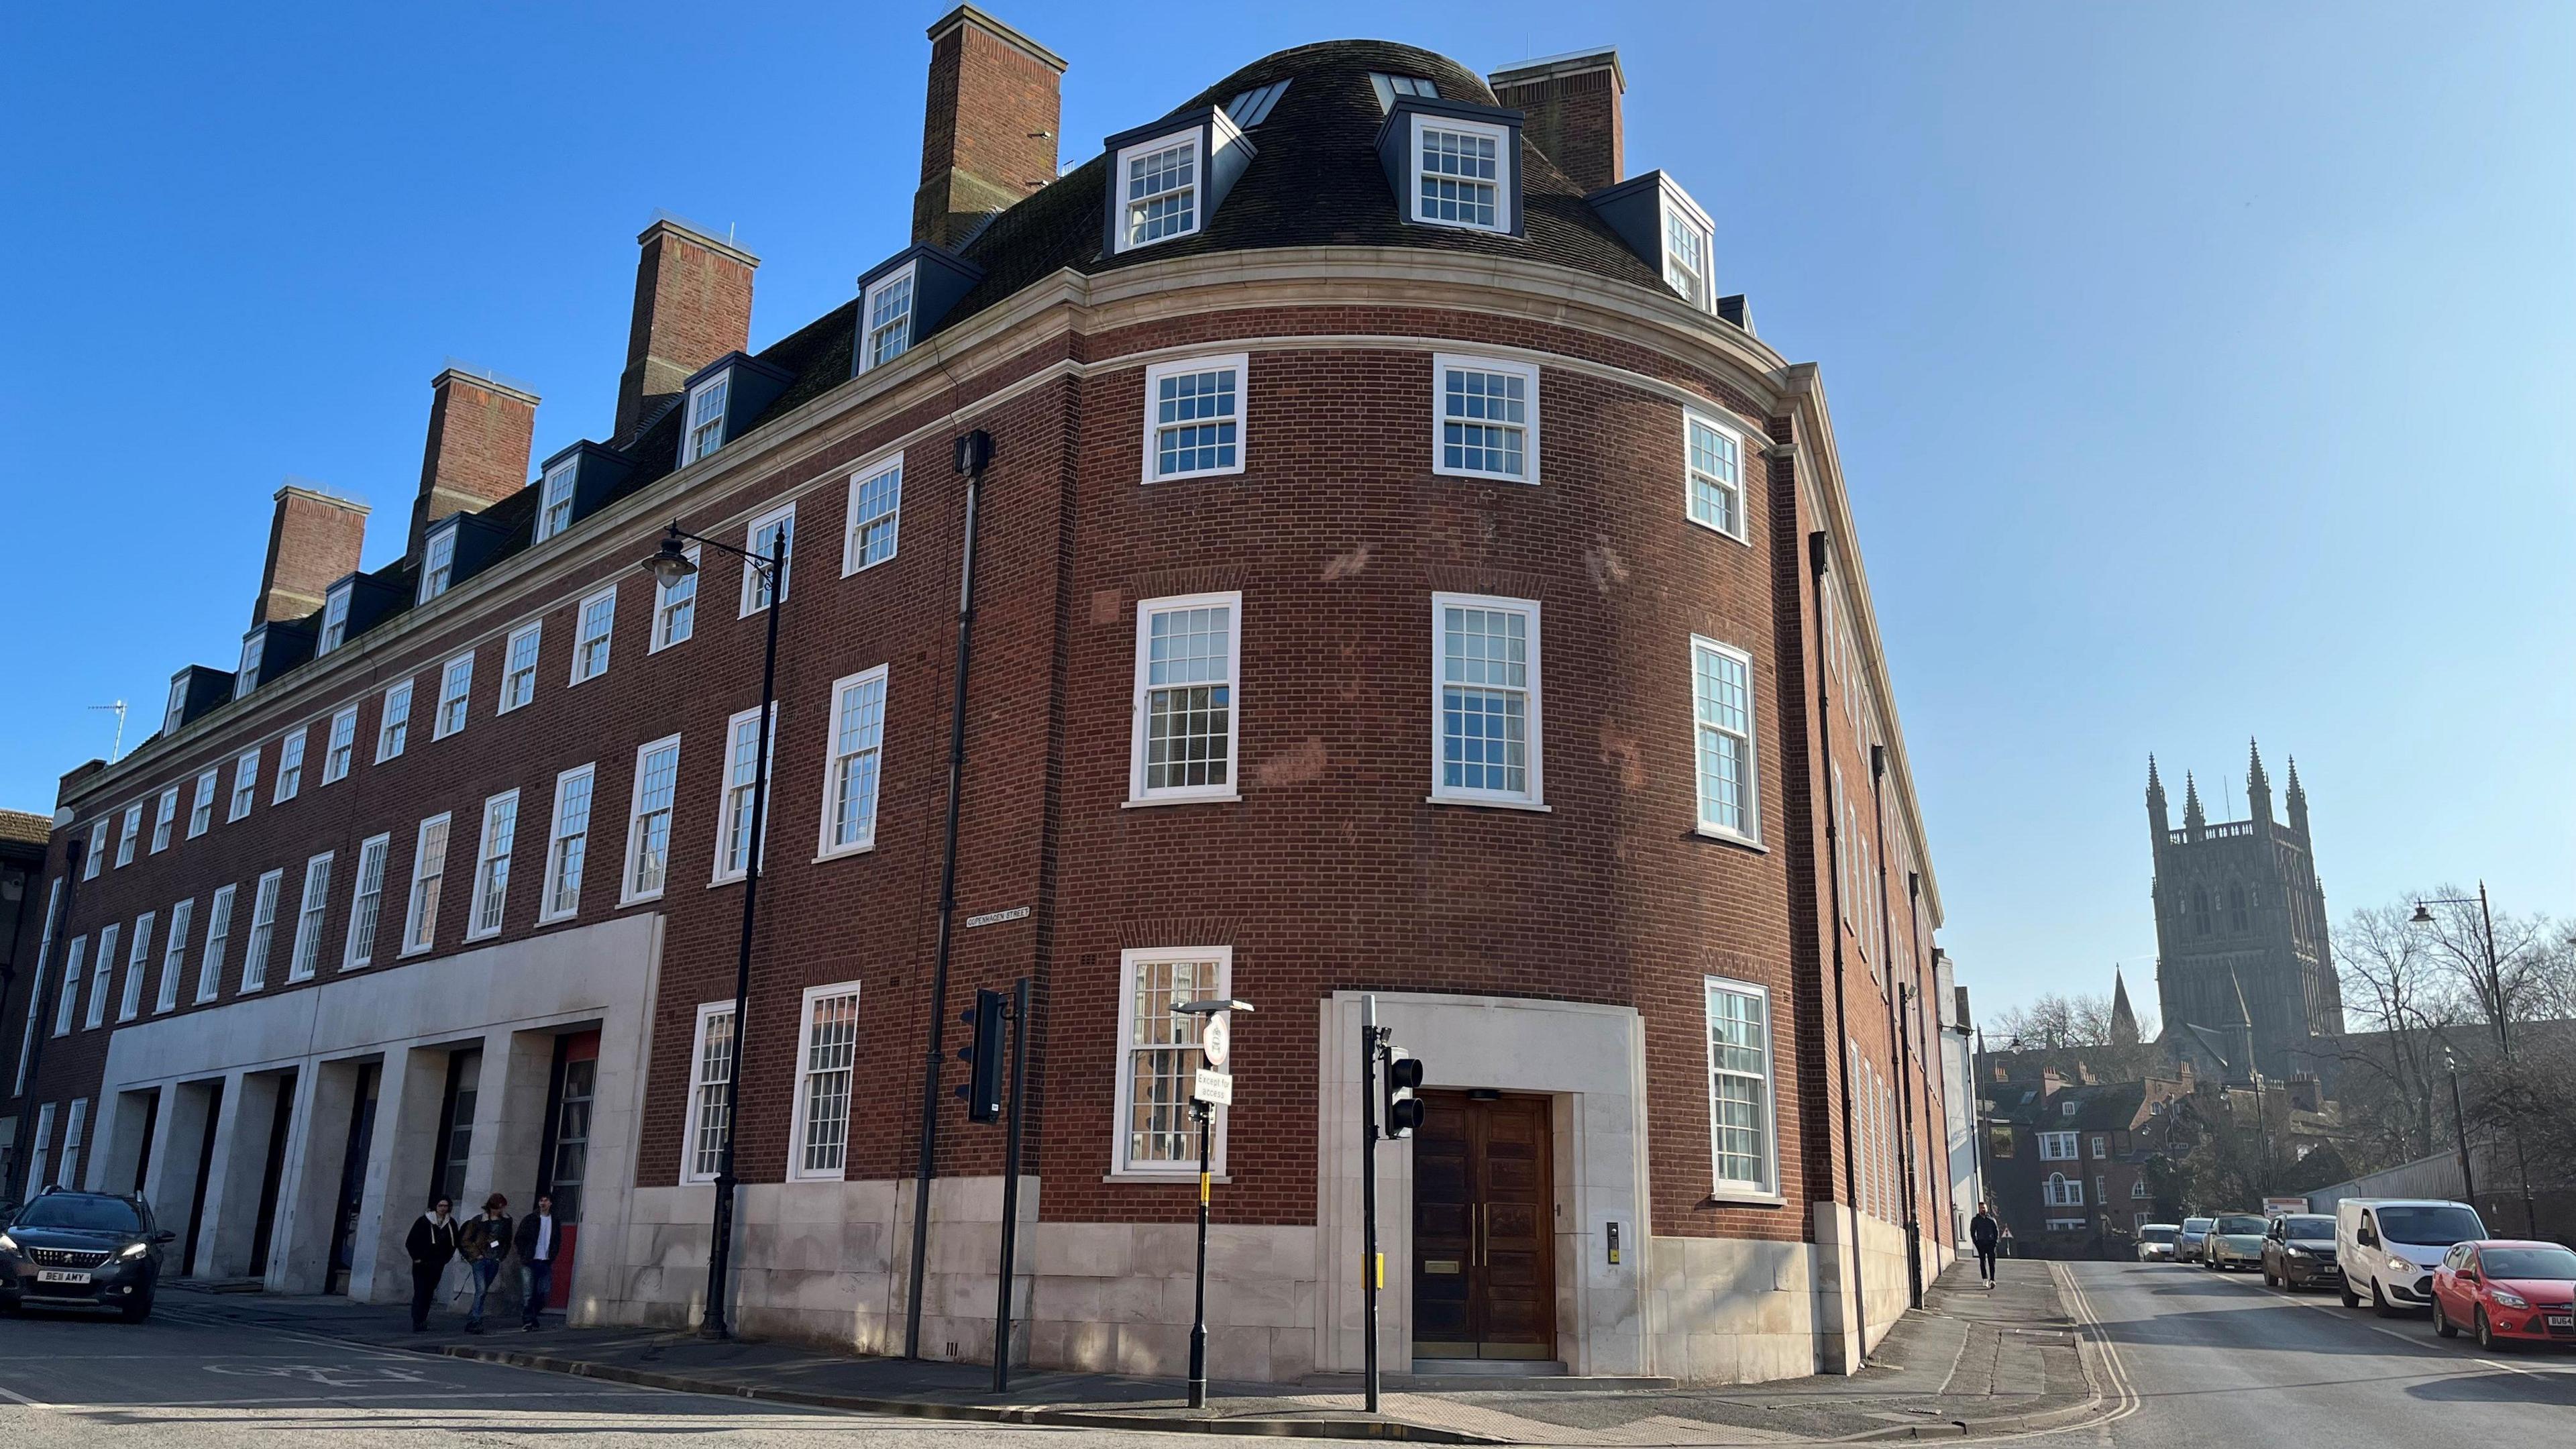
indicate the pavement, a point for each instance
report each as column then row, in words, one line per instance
column 1971, row 1360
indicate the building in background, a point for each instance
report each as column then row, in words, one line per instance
column 1401, row 573
column 22, row 858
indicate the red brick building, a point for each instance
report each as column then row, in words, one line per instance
column 1399, row 572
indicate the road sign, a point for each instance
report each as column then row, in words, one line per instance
column 1214, row 1038
column 1214, row 1088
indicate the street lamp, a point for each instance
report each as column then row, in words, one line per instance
column 2498, row 1008
column 669, row 565
column 1214, row 1037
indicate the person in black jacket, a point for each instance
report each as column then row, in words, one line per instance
column 485, row 1241
column 540, row 1242
column 1984, row 1231
column 431, row 1243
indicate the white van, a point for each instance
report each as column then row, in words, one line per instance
column 2388, row 1247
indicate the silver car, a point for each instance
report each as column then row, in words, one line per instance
column 2187, row 1242
column 2236, row 1241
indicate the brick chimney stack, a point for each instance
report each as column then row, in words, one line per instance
column 1571, row 109
column 313, row 542
column 692, row 306
column 480, row 428
column 988, row 131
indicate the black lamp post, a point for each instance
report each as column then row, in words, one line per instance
column 2497, row 1005
column 1215, row 1049
column 669, row 565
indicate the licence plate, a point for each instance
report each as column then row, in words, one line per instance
column 2562, row 1320
column 60, row 1275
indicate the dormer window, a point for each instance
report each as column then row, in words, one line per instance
column 176, row 714
column 437, row 562
column 1459, row 168
column 1160, row 190
column 888, row 308
column 1686, row 248
column 706, row 425
column 246, row 678
column 554, row 514
column 335, row 617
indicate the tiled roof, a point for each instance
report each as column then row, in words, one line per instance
column 24, row 827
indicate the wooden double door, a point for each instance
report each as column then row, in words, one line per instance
column 1484, row 1231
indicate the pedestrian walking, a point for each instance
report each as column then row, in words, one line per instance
column 540, row 1238
column 486, row 1242
column 1985, row 1232
column 431, row 1243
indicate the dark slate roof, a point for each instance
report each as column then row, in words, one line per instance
column 1315, row 181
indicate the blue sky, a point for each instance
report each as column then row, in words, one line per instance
column 2200, row 371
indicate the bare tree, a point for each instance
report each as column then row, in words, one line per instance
column 2499, row 960
column 2395, row 985
column 2054, row 1023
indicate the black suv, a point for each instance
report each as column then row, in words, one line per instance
column 82, row 1249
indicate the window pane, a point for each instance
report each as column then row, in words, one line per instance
column 1484, row 702
column 831, row 1048
column 1484, row 421
column 1161, row 194
column 1458, row 177
column 1162, row 1060
column 1194, row 422
column 1188, row 697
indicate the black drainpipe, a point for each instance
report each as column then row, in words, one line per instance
column 974, row 451
column 1896, row 1029
column 1816, row 553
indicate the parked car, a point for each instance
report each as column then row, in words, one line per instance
column 2187, row 1242
column 82, row 1249
column 2235, row 1241
column 2389, row 1247
column 2299, row 1251
column 2506, row 1290
column 2156, row 1242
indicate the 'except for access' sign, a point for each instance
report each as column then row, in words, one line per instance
column 1214, row 1088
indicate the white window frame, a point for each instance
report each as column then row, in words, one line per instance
column 340, row 747
column 428, row 878
column 219, row 934
column 1195, row 189
column 263, row 930
column 1238, row 363
column 96, row 858
column 174, row 954
column 367, row 902
column 568, row 849
column 128, row 831
column 335, row 620
column 2059, row 1190
column 701, row 436
column 872, row 327
column 1701, row 294
column 102, row 976
column 1505, row 156
column 557, row 498
column 165, row 814
column 36, row 990
column 600, row 610
column 1767, row 1187
column 1442, row 364
column 518, row 674
column 727, row 785
column 1138, row 711
column 2058, row 1147
column 627, row 892
column 311, row 905
column 437, row 563
column 1693, row 477
column 1121, row 1165
column 751, row 602
column 201, row 809
column 708, row 1011
column 498, row 847
column 1701, row 723
column 1535, row 798
column 797, row 1147
column 138, row 963
column 2101, row 1144
column 290, row 764
column 667, row 600
column 455, row 696
column 40, row 1148
column 68, row 1007
column 73, row 1143
column 246, row 677
column 393, row 726
column 178, row 705
column 860, row 530
column 869, row 755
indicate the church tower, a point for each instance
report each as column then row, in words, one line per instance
column 2245, row 976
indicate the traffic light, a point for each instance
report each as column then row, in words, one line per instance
column 982, row 1088
column 1403, row 1109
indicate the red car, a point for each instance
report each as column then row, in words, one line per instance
column 2506, row 1290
